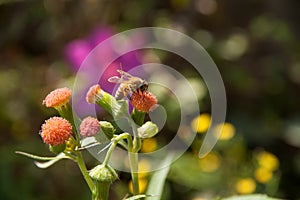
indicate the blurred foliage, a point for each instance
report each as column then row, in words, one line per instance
column 254, row 43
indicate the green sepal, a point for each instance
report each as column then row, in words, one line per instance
column 107, row 128
column 118, row 109
column 57, row 148
column 138, row 117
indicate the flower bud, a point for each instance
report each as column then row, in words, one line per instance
column 147, row 130
column 94, row 94
column 103, row 173
column 71, row 144
column 117, row 109
column 89, row 127
column 107, row 129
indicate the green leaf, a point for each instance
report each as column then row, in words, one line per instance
column 51, row 160
column 45, row 165
column 156, row 184
column 35, row 157
column 251, row 197
column 192, row 176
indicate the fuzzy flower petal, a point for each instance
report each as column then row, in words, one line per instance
column 89, row 127
column 93, row 94
column 56, row 130
column 143, row 101
column 57, row 98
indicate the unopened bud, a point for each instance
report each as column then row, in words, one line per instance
column 103, row 173
column 147, row 130
column 107, row 129
column 117, row 109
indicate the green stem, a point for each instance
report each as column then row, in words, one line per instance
column 137, row 120
column 84, row 171
column 67, row 113
column 109, row 152
column 115, row 141
column 136, row 140
column 102, row 190
column 133, row 160
column 133, row 153
column 70, row 155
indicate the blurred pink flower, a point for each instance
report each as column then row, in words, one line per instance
column 78, row 50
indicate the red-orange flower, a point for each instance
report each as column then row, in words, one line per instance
column 56, row 130
column 93, row 93
column 89, row 127
column 57, row 98
column 143, row 101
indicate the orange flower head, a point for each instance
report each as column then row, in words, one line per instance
column 57, row 98
column 143, row 101
column 93, row 94
column 56, row 130
column 89, row 127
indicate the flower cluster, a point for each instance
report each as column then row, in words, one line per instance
column 61, row 135
column 56, row 130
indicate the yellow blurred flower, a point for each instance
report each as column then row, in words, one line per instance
column 149, row 145
column 144, row 167
column 226, row 131
column 245, row 186
column 263, row 175
column 268, row 160
column 201, row 123
column 142, row 184
column 210, row 162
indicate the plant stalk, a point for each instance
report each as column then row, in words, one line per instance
column 133, row 160
column 115, row 141
column 84, row 172
column 102, row 190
